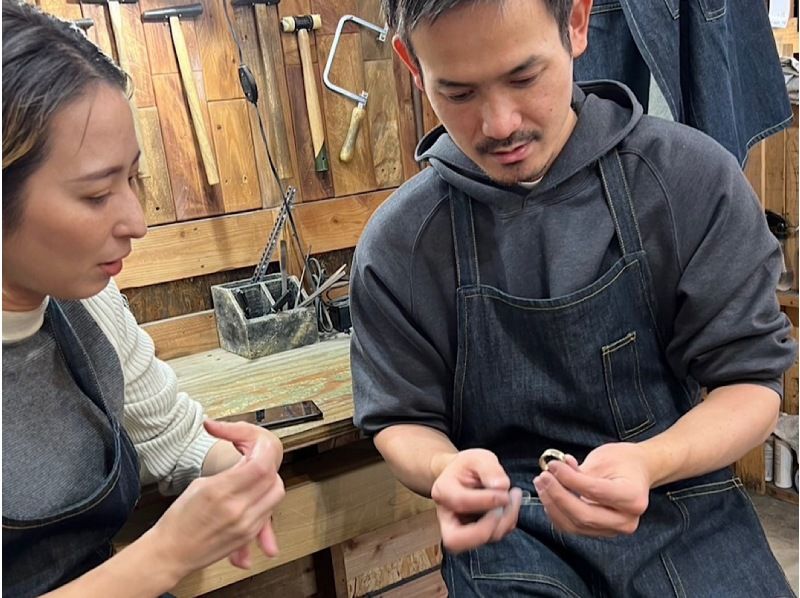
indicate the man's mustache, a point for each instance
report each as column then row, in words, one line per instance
column 517, row 138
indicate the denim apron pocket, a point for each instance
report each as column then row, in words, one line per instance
column 722, row 550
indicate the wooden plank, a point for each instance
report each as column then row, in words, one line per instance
column 190, row 193
column 791, row 384
column 133, row 58
column 791, row 209
column 785, row 494
column 296, row 579
column 347, row 72
column 320, row 509
column 408, row 131
column 331, row 11
column 160, row 49
column 384, row 127
column 69, row 11
column 314, row 185
column 179, row 297
column 155, row 193
column 184, row 335
column 774, row 172
column 176, row 251
column 372, row 49
column 750, row 469
column 100, row 33
column 218, row 53
column 428, row 586
column 180, row 250
column 384, row 546
column 230, row 128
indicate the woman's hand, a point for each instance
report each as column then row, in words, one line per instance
column 220, row 515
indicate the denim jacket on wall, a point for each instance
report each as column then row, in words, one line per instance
column 714, row 60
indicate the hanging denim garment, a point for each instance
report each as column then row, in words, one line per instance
column 715, row 61
column 572, row 373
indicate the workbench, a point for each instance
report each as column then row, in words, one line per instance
column 337, row 486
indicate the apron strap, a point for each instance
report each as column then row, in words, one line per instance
column 77, row 359
column 618, row 196
column 464, row 238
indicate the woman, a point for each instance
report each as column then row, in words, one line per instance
column 86, row 405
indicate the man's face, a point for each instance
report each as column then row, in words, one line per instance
column 500, row 79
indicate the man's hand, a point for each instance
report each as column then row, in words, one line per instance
column 605, row 496
column 473, row 502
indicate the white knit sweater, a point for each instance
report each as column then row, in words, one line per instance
column 165, row 425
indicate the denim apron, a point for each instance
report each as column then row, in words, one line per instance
column 573, row 373
column 44, row 553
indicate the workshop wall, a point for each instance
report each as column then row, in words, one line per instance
column 202, row 233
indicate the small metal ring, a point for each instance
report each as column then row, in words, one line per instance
column 551, row 454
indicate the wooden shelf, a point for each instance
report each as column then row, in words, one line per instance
column 786, row 494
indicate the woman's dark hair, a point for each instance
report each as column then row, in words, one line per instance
column 405, row 15
column 47, row 63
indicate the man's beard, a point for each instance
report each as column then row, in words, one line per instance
column 515, row 174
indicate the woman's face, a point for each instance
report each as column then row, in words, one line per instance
column 80, row 208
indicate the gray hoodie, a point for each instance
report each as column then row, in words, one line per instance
column 715, row 264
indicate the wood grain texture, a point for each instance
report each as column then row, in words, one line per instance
column 429, row 586
column 331, row 11
column 791, row 384
column 791, row 209
column 218, row 53
column 184, row 249
column 296, row 579
column 407, row 129
column 252, row 56
column 230, row 128
column 69, row 11
column 384, row 123
column 160, row 49
column 190, row 194
column 750, row 469
column 314, row 185
column 184, row 335
column 167, row 300
column 754, row 170
column 371, row 48
column 347, row 72
column 774, row 169
column 177, row 251
column 155, row 192
column 133, row 55
column 100, row 32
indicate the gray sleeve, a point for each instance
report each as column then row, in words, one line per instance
column 398, row 375
column 728, row 327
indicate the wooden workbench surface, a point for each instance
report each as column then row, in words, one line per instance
column 226, row 384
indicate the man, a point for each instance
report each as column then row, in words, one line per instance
column 567, row 274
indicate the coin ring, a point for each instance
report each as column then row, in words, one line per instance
column 552, row 454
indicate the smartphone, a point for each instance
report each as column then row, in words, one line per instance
column 280, row 416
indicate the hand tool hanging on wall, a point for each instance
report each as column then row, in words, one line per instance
column 346, row 153
column 173, row 15
column 302, row 24
column 115, row 16
column 279, row 138
column 83, row 24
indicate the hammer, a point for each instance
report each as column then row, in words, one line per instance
column 173, row 15
column 83, row 24
column 116, row 26
column 302, row 25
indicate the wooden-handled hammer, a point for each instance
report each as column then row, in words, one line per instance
column 302, row 25
column 173, row 15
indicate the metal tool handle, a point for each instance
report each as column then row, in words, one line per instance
column 382, row 32
column 346, row 154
